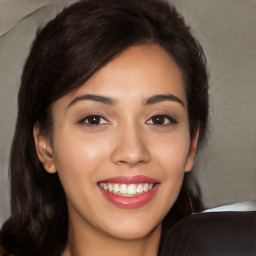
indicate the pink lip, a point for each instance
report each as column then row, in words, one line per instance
column 131, row 179
column 134, row 201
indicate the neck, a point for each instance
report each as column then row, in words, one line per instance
column 87, row 242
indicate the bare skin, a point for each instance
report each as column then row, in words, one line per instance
column 136, row 125
column 103, row 245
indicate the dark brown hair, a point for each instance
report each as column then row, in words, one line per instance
column 64, row 55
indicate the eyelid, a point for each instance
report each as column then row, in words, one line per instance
column 82, row 121
column 171, row 118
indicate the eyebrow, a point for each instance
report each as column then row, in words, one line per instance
column 111, row 101
column 163, row 97
column 98, row 98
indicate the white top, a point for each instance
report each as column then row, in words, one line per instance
column 240, row 207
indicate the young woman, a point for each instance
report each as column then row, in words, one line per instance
column 113, row 105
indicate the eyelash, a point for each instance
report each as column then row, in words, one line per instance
column 84, row 121
column 166, row 118
column 162, row 119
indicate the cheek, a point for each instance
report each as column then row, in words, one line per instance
column 77, row 158
column 171, row 155
column 172, row 152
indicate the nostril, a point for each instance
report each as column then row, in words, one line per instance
column 130, row 151
column 130, row 163
column 121, row 162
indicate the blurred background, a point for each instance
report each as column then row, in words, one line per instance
column 225, row 168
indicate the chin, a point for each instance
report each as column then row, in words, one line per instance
column 133, row 233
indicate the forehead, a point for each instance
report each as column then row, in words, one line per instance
column 139, row 71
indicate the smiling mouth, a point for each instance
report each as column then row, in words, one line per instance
column 127, row 190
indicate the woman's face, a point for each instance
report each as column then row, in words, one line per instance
column 121, row 144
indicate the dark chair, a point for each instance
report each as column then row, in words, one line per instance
column 214, row 234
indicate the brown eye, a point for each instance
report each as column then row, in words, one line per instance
column 162, row 120
column 94, row 120
column 158, row 120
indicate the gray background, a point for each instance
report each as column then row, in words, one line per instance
column 226, row 167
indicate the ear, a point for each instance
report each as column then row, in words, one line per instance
column 44, row 150
column 192, row 152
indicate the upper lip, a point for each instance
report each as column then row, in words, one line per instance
column 131, row 179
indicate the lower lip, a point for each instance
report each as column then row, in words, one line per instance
column 132, row 202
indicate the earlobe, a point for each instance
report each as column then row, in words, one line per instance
column 192, row 152
column 50, row 166
column 44, row 150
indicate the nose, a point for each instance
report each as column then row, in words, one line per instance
column 130, row 147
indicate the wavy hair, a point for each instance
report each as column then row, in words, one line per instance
column 64, row 55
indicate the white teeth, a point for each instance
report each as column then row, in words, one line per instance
column 126, row 189
column 139, row 189
column 132, row 189
column 110, row 187
column 123, row 189
column 116, row 188
column 145, row 188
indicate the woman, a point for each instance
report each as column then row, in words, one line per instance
column 113, row 105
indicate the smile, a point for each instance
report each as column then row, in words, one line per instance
column 129, row 192
column 127, row 189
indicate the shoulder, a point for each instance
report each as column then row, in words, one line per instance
column 222, row 233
